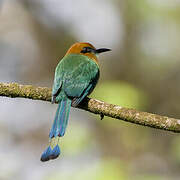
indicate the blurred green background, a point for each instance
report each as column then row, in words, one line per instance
column 142, row 71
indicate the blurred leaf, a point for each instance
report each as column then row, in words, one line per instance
column 121, row 93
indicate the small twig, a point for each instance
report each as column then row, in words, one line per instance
column 102, row 116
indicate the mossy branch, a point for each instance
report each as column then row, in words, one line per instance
column 95, row 106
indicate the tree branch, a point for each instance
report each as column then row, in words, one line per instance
column 95, row 106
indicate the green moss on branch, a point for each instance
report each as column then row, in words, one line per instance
column 95, row 106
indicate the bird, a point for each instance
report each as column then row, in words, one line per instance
column 76, row 75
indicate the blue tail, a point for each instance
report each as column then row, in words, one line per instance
column 58, row 130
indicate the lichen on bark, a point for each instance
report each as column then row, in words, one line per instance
column 14, row 90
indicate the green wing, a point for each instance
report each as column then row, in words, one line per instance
column 74, row 75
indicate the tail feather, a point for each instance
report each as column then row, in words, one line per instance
column 46, row 154
column 58, row 130
column 55, row 123
column 66, row 118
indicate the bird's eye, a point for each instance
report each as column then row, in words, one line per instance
column 86, row 50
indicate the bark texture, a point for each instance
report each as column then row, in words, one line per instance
column 15, row 90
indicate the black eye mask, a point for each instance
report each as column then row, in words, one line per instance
column 88, row 50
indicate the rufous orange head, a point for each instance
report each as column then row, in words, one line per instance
column 86, row 49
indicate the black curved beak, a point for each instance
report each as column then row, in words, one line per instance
column 101, row 50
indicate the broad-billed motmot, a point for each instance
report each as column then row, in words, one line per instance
column 76, row 76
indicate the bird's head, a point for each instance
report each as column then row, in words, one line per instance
column 86, row 49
